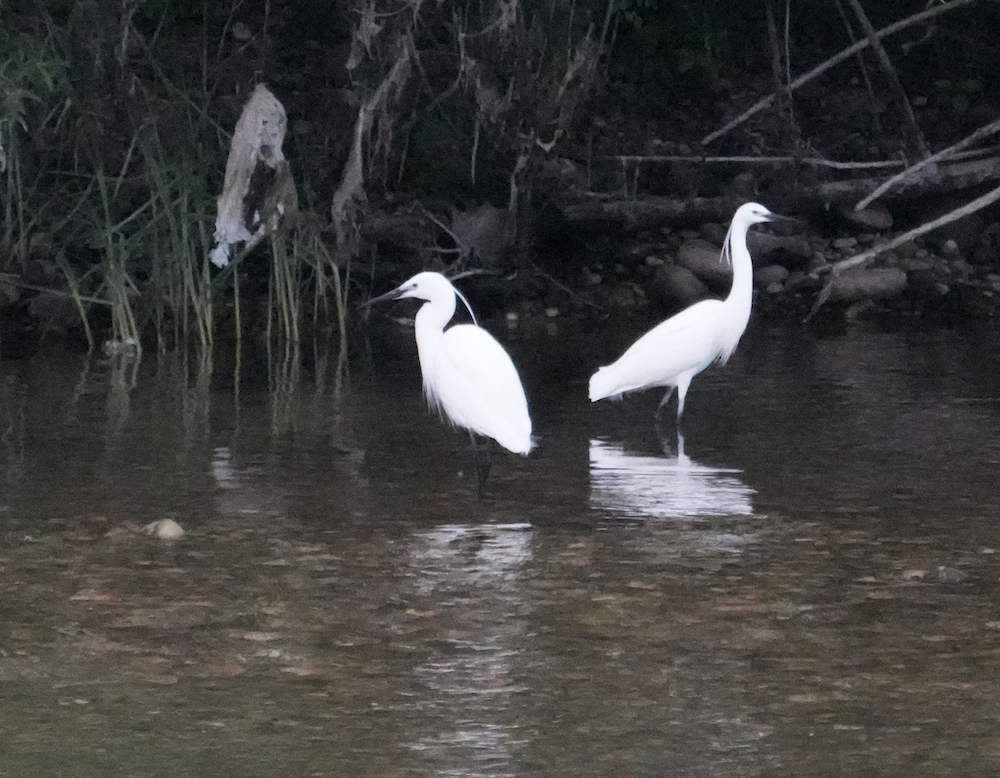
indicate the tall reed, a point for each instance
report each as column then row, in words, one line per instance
column 180, row 286
column 327, row 270
column 284, row 300
column 117, row 244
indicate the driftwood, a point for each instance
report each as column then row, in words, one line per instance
column 779, row 159
column 258, row 192
column 945, row 177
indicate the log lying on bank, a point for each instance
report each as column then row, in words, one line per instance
column 619, row 213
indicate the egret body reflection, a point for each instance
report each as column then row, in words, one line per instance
column 648, row 486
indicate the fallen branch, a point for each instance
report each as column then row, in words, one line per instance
column 587, row 213
column 13, row 280
column 949, row 153
column 834, row 61
column 747, row 160
column 951, row 176
column 630, row 214
column 788, row 159
column 866, row 256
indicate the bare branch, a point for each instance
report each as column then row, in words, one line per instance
column 950, row 152
column 915, row 137
column 866, row 256
column 748, row 160
column 836, row 60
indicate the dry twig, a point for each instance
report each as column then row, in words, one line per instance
column 805, row 78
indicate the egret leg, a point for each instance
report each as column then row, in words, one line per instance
column 665, row 400
column 482, row 449
column 682, row 389
column 665, row 432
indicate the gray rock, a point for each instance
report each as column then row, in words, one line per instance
column 793, row 247
column 765, row 277
column 845, row 243
column 705, row 261
column 868, row 283
column 626, row 295
column 164, row 529
column 677, row 287
column 875, row 217
column 916, row 265
column 800, row 280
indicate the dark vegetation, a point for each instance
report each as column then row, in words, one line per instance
column 516, row 140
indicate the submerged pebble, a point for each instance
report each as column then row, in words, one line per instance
column 164, row 529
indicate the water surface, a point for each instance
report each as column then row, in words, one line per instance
column 808, row 588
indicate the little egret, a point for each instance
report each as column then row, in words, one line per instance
column 675, row 351
column 468, row 376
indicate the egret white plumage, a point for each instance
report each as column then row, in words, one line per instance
column 676, row 350
column 468, row 376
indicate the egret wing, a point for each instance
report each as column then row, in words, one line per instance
column 686, row 342
column 478, row 387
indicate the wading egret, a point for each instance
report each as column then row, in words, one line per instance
column 468, row 376
column 675, row 351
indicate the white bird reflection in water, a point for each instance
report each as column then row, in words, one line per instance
column 465, row 698
column 644, row 486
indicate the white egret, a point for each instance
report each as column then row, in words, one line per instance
column 675, row 351
column 468, row 376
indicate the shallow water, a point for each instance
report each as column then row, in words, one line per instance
column 809, row 588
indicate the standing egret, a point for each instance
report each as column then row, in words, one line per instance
column 468, row 377
column 675, row 351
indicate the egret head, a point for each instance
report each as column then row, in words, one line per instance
column 745, row 217
column 423, row 286
column 755, row 213
column 427, row 286
column 752, row 213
